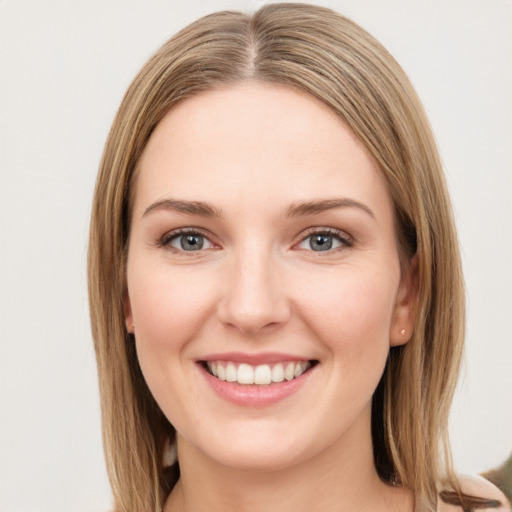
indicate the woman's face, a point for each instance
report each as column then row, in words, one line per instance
column 262, row 248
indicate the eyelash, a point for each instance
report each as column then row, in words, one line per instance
column 346, row 240
column 166, row 240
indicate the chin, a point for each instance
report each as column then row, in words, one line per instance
column 252, row 453
column 258, row 460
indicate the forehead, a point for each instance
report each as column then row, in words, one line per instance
column 253, row 141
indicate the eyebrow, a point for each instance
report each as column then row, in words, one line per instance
column 191, row 207
column 322, row 205
column 294, row 210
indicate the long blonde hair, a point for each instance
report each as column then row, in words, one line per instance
column 330, row 57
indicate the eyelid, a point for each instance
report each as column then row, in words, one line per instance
column 165, row 240
column 340, row 235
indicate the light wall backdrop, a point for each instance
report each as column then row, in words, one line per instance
column 64, row 66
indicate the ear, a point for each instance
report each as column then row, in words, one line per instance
column 404, row 314
column 128, row 316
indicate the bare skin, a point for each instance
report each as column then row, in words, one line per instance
column 258, row 271
column 301, row 489
column 261, row 282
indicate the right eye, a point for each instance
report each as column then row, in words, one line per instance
column 187, row 241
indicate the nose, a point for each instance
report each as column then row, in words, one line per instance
column 254, row 299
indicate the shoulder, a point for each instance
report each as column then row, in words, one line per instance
column 478, row 486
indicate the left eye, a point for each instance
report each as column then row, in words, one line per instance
column 322, row 242
column 189, row 242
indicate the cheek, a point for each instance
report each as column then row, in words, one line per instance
column 352, row 313
column 168, row 308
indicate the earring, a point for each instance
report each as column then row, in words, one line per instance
column 170, row 455
column 402, row 332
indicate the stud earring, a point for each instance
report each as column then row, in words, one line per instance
column 402, row 332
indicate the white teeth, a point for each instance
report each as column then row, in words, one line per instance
column 278, row 373
column 289, row 372
column 221, row 372
column 231, row 373
column 300, row 368
column 262, row 374
column 245, row 374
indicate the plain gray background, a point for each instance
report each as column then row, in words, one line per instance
column 64, row 66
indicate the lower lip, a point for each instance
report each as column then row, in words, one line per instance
column 255, row 395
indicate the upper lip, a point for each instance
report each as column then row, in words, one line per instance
column 254, row 359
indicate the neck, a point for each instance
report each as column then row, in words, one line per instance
column 341, row 478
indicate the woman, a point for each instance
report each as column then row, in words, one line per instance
column 275, row 284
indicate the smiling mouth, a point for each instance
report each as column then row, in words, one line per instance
column 263, row 374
